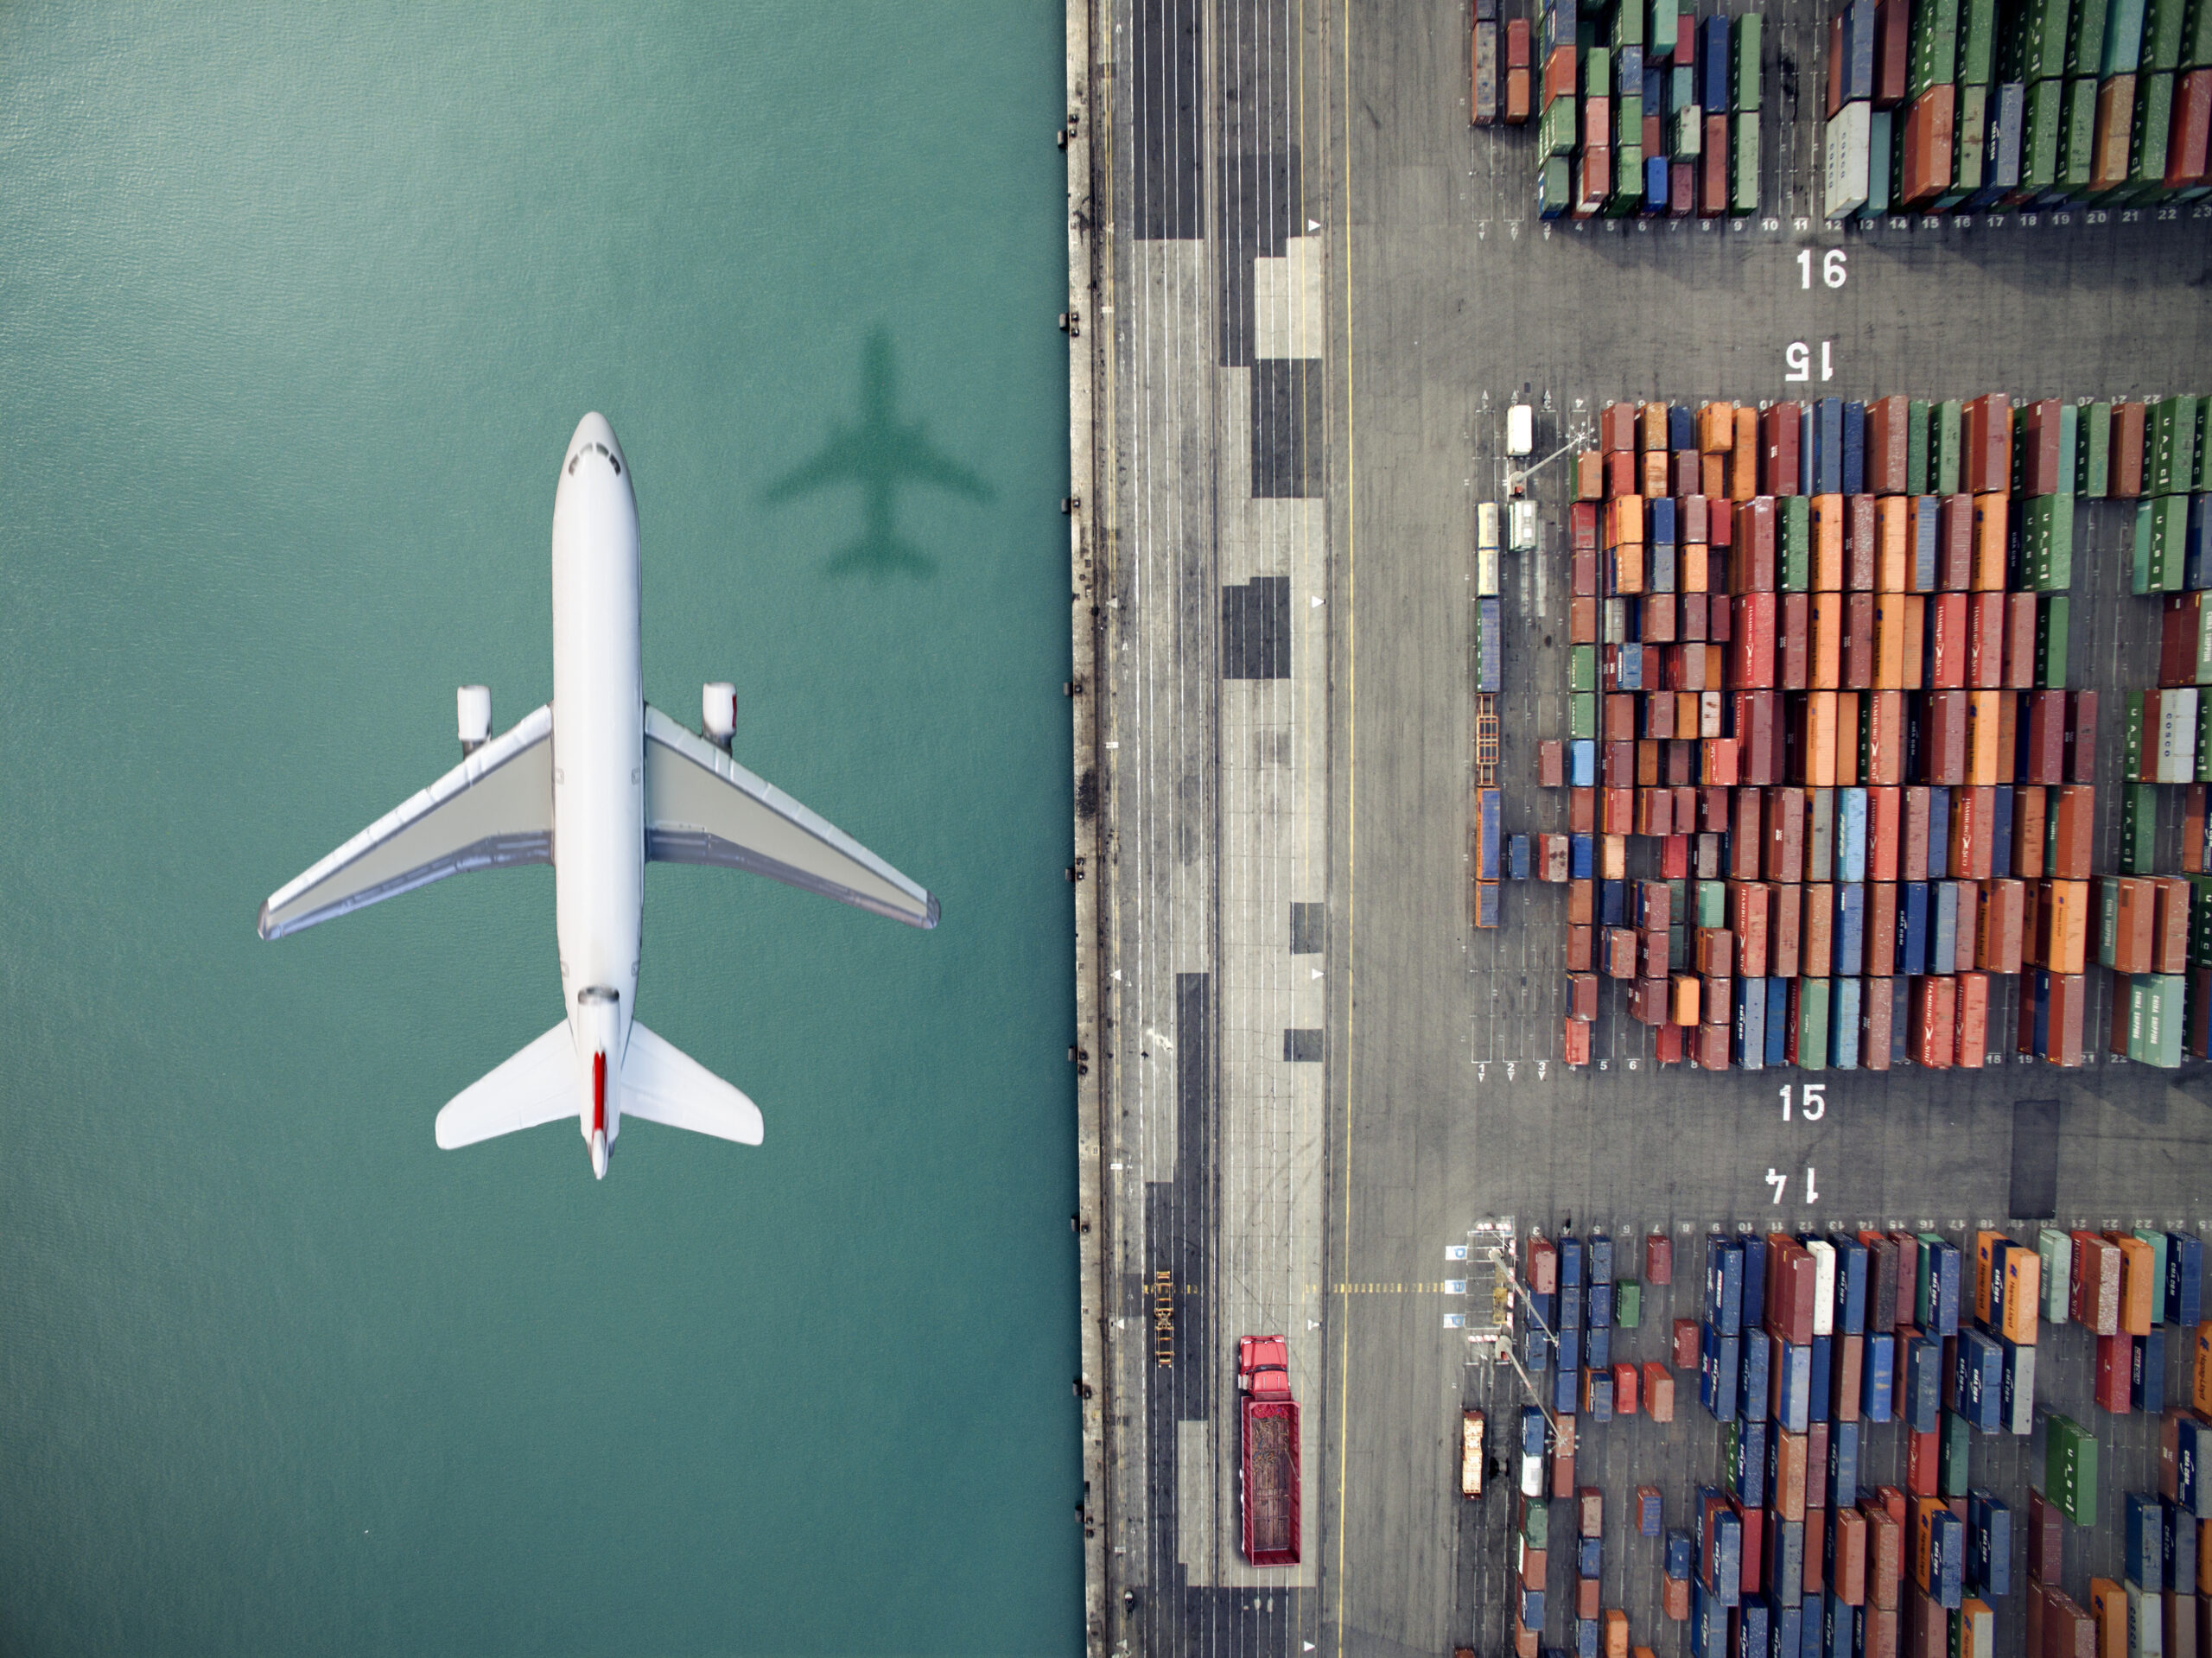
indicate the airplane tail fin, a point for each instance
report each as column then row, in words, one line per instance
column 535, row 1086
column 662, row 1084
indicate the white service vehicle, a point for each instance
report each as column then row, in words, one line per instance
column 1520, row 431
column 597, row 785
column 1521, row 526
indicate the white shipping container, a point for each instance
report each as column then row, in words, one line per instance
column 1487, row 525
column 1846, row 168
column 1689, row 133
column 1521, row 525
column 1823, row 1254
column 1486, row 572
column 2177, row 736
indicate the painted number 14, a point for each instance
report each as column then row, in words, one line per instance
column 1812, row 1102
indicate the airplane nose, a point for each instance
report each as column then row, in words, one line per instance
column 595, row 428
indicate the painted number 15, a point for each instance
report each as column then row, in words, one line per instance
column 1831, row 268
column 1797, row 361
column 1812, row 1102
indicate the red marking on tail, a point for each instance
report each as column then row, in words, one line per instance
column 599, row 1093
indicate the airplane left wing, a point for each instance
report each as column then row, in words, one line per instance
column 702, row 807
column 493, row 809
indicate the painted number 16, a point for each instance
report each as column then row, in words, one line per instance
column 1812, row 1102
column 1832, row 270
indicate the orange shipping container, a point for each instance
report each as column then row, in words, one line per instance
column 2023, row 1296
column 1790, row 1468
column 1935, row 1022
column 1928, row 145
column 1989, row 528
column 2063, row 917
column 1616, row 1633
column 1716, row 428
column 2002, row 911
column 1655, row 473
column 1984, row 735
column 1825, row 671
column 2140, row 1291
column 1743, row 461
column 1892, row 544
column 1784, row 930
column 1885, row 740
column 1712, row 476
column 1821, row 740
column 2073, row 838
column 1847, row 739
column 1828, row 543
column 2019, row 671
column 2108, row 156
column 1816, row 946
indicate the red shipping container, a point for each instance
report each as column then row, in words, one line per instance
column 1934, row 1023
column 1785, row 835
column 2040, row 465
column 1753, row 624
column 1888, row 434
column 1752, row 562
column 2170, row 926
column 2046, row 1539
column 1928, row 146
column 1794, row 655
column 1658, row 1392
column 1816, row 1525
column 1615, row 421
column 1686, row 1354
column 1882, row 764
column 1912, row 863
column 1580, row 951
column 1985, row 429
column 2081, row 737
column 1779, row 430
column 1885, row 1559
column 1859, row 537
column 1658, row 1258
column 1954, row 544
column 1943, row 738
column 1986, row 616
column 2115, row 1365
column 2189, row 141
column 1947, row 642
column 1876, row 1013
column 1784, row 931
column 2126, row 480
column 1923, row 1451
column 1881, row 946
column 1892, row 56
column 1859, row 654
column 1974, row 832
column 1713, row 197
column 1973, row 1039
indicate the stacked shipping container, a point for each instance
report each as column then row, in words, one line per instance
column 1644, row 109
column 1819, row 659
column 1936, row 105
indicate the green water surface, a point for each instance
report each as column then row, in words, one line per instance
column 299, row 305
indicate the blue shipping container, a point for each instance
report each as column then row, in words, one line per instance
column 1747, row 1468
column 1946, row 1559
column 1749, row 1045
column 1719, row 1359
column 1582, row 764
column 2146, row 1388
column 1777, row 1021
column 1489, row 834
column 1979, row 1383
column 1816, row 1394
column 2184, row 1280
column 1828, row 447
column 1912, row 929
column 1647, row 1514
column 1850, row 834
column 1724, row 1286
column 1854, row 414
column 1532, row 1431
column 1612, row 911
column 1680, row 1553
column 1851, row 1269
column 2141, row 1530
column 1597, row 1347
column 1923, row 1384
column 1843, row 1023
column 1601, row 1260
column 1600, row 1302
column 1751, row 1390
column 1751, row 1629
column 1713, row 64
column 1788, row 1621
column 1850, row 931
column 2178, row 1543
column 1989, row 1545
column 1939, row 834
column 1589, row 1556
column 1792, row 1389
column 1516, row 857
column 1489, row 621
column 1843, row 1464
column 2000, row 847
column 1943, row 936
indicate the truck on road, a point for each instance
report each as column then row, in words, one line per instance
column 1267, row 1421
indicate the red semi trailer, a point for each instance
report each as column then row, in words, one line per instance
column 1269, row 1420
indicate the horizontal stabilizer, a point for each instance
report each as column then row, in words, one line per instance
column 702, row 807
column 491, row 811
column 536, row 1086
column 664, row 1084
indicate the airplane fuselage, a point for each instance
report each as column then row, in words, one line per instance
column 598, row 825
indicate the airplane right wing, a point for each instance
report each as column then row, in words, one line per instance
column 493, row 809
column 702, row 807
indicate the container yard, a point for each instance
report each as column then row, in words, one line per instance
column 1681, row 720
column 1829, row 797
column 1916, row 1439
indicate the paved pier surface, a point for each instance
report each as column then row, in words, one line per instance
column 1314, row 290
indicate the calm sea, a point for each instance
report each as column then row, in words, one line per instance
column 298, row 307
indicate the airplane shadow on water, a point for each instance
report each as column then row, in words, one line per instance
column 880, row 453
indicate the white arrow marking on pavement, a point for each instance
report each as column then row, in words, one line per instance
column 1312, row 225
column 1312, row 1324
column 1317, row 601
column 1317, row 972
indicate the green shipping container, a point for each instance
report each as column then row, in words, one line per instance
column 1557, row 128
column 2070, row 1470
column 1536, row 1520
column 2121, row 53
column 2202, row 770
column 1915, row 448
column 1554, row 185
column 2047, row 542
column 1582, row 716
column 1743, row 164
column 2077, row 140
column 1582, row 668
column 1660, row 31
column 2034, row 49
column 2200, row 471
column 2146, row 138
column 2094, row 454
column 2056, row 1249
column 1628, row 1304
column 2052, row 615
column 2154, row 1029
column 1796, row 526
column 2139, row 829
column 1628, row 26
column 2163, row 21
column 1744, row 38
column 1934, row 46
column 1678, row 950
column 1712, row 903
column 2199, row 920
column 2162, row 542
column 2070, row 438
column 1596, row 72
column 2085, row 35
column 1970, row 147
column 2172, row 469
column 1813, row 1024
column 1977, row 42
column 2196, row 37
column 1946, row 446
column 1628, row 182
column 2131, row 740
column 1628, row 134
column 1952, row 1453
column 2107, row 921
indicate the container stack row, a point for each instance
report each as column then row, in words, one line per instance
column 1640, row 107
column 1808, row 1347
column 1818, row 677
column 1943, row 105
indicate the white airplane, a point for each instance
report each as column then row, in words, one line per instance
column 596, row 784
